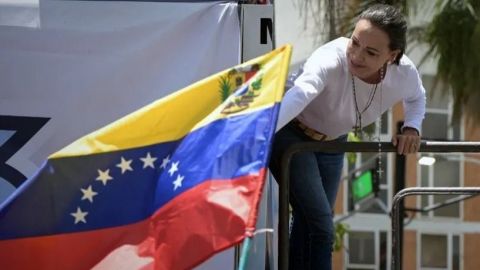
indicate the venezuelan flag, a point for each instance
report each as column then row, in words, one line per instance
column 165, row 187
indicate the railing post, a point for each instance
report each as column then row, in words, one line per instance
column 396, row 251
column 400, row 171
column 283, row 219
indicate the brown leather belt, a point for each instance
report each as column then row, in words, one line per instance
column 311, row 133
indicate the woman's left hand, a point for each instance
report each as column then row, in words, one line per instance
column 408, row 142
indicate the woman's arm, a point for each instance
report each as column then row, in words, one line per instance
column 414, row 106
column 311, row 82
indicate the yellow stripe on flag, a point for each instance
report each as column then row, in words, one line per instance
column 197, row 105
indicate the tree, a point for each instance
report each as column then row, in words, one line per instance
column 454, row 38
column 338, row 16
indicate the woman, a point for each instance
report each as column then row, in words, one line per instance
column 345, row 84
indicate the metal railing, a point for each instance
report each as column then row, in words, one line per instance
column 396, row 251
column 333, row 146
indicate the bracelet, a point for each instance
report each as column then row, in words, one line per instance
column 411, row 128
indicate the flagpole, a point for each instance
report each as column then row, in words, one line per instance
column 244, row 255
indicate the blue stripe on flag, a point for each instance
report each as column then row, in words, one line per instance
column 118, row 188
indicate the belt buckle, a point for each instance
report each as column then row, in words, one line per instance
column 311, row 133
column 314, row 135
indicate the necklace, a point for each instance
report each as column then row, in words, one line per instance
column 358, row 117
column 358, row 114
column 379, row 131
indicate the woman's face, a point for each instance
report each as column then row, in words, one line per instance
column 368, row 50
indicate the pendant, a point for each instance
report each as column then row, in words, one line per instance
column 357, row 131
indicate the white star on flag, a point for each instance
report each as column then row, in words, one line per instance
column 178, row 182
column 79, row 216
column 148, row 161
column 125, row 165
column 88, row 194
column 104, row 176
column 174, row 168
column 165, row 162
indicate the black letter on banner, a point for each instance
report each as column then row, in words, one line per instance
column 25, row 128
column 265, row 25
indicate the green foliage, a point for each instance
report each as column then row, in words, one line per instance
column 224, row 88
column 454, row 37
column 257, row 84
column 354, row 8
column 340, row 230
column 352, row 157
column 341, row 15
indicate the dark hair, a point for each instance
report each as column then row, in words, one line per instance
column 392, row 22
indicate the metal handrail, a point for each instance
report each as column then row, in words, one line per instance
column 418, row 191
column 333, row 146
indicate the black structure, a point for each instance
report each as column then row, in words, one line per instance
column 400, row 168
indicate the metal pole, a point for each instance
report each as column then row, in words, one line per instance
column 244, row 256
column 284, row 189
column 440, row 205
column 332, row 146
column 396, row 252
column 400, row 168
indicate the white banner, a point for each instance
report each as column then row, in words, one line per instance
column 70, row 67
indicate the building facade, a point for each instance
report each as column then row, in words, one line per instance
column 443, row 238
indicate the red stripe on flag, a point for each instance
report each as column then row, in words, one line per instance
column 202, row 221
column 68, row 251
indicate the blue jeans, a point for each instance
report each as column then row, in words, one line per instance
column 314, row 181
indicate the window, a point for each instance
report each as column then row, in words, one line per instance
column 367, row 250
column 378, row 205
column 446, row 171
column 438, row 123
column 439, row 251
column 434, row 251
